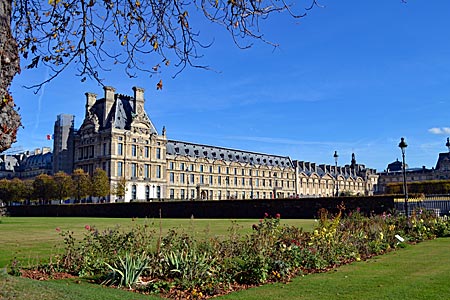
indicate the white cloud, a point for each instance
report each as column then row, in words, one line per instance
column 437, row 130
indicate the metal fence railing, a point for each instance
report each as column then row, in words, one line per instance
column 439, row 203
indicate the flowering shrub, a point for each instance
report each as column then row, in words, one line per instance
column 92, row 255
column 178, row 263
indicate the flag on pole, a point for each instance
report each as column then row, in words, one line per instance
column 49, row 137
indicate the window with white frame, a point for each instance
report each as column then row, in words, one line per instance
column 119, row 169
column 158, row 171
column 146, row 171
column 133, row 170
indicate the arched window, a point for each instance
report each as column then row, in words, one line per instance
column 133, row 192
column 147, row 192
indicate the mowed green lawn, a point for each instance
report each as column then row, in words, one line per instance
column 33, row 239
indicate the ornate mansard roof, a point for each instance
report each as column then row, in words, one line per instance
column 116, row 111
column 226, row 154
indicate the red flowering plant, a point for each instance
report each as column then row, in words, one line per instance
column 268, row 222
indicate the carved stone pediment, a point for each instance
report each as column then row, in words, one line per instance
column 141, row 127
column 141, row 123
column 90, row 123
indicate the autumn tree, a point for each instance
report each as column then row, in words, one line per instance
column 18, row 190
column 5, row 193
column 81, row 183
column 64, row 185
column 120, row 189
column 44, row 188
column 100, row 184
column 28, row 191
column 95, row 35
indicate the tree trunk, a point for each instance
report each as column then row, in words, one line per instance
column 9, row 67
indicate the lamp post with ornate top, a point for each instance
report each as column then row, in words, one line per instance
column 336, row 156
column 403, row 146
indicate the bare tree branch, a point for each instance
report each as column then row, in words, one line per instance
column 150, row 34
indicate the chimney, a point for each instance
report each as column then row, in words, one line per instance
column 138, row 98
column 90, row 101
column 109, row 101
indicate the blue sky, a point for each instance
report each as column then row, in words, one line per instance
column 354, row 76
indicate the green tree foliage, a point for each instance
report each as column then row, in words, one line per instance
column 100, row 184
column 64, row 185
column 44, row 188
column 82, row 184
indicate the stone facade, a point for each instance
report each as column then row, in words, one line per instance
column 118, row 136
column 26, row 164
column 326, row 180
column 394, row 172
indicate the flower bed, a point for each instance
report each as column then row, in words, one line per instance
column 178, row 265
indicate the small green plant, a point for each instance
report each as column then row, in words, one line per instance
column 189, row 264
column 126, row 271
column 15, row 267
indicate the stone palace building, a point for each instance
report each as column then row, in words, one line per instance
column 118, row 136
column 394, row 171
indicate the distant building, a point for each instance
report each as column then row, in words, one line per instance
column 27, row 164
column 326, row 180
column 118, row 136
column 394, row 172
column 63, row 143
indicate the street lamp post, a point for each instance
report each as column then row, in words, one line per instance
column 336, row 156
column 448, row 145
column 403, row 146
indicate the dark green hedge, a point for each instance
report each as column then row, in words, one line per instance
column 304, row 208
